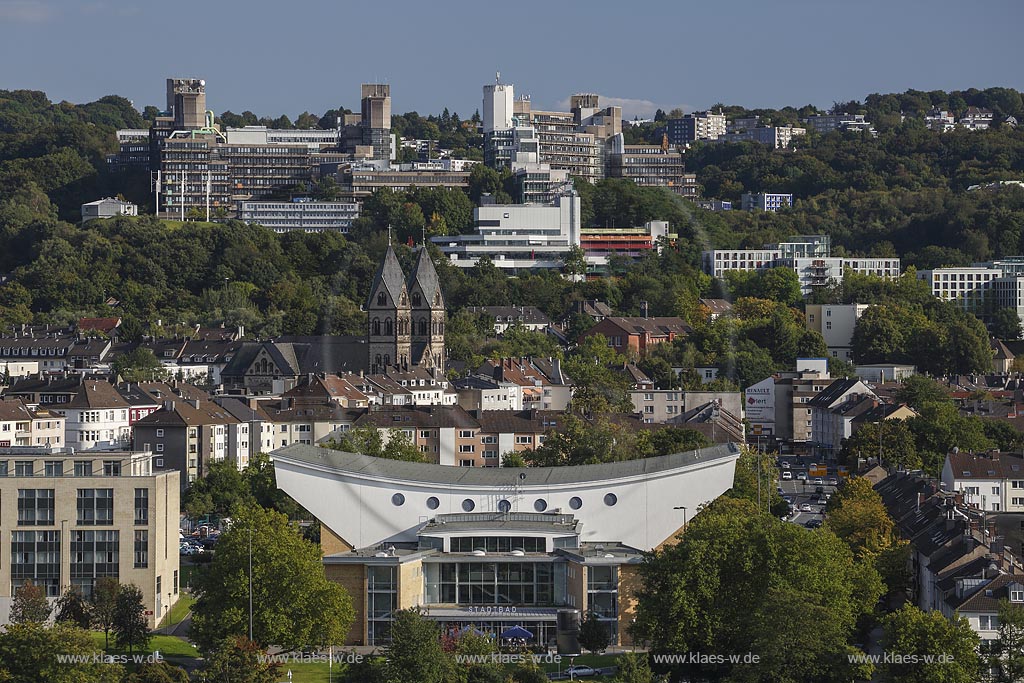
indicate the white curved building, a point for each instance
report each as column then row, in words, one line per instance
column 493, row 546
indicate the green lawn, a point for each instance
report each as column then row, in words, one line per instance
column 168, row 646
column 596, row 661
column 178, row 612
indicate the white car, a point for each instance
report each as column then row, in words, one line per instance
column 785, row 465
column 805, row 507
column 802, row 476
column 580, row 670
column 787, row 476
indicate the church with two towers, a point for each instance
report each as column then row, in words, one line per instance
column 405, row 317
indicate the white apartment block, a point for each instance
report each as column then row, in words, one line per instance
column 813, row 272
column 307, row 216
column 993, row 482
column 836, row 323
column 766, row 201
column 969, row 286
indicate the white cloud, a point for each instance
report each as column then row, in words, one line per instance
column 631, row 107
column 25, row 11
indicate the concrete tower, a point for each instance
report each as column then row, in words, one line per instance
column 186, row 100
column 498, row 102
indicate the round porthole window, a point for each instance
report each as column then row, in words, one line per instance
column 398, row 499
column 610, row 499
column 468, row 505
column 433, row 503
column 540, row 505
column 575, row 503
column 504, row 506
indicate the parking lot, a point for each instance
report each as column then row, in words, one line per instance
column 802, row 488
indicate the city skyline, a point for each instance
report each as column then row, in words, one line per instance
column 317, row 62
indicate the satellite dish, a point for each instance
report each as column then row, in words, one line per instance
column 202, row 82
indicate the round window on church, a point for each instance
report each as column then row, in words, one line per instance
column 540, row 505
column 398, row 500
column 575, row 502
column 468, row 505
column 504, row 506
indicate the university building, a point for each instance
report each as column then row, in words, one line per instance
column 74, row 517
column 490, row 548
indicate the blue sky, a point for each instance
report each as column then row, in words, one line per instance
column 282, row 57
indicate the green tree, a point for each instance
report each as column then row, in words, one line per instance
column 1007, row 655
column 415, row 653
column 27, row 654
column 1006, row 324
column 220, row 492
column 138, row 365
column 103, row 605
column 294, row 605
column 857, row 515
column 918, row 390
column 594, row 635
column 238, row 660
column 892, row 440
column 633, row 668
column 131, row 630
column 30, row 605
column 369, row 440
column 729, row 585
column 575, row 263
column 72, row 608
column 157, row 672
column 911, row 632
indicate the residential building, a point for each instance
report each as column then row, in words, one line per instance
column 765, row 201
column 699, row 125
column 95, row 417
column 835, row 322
column 259, row 438
column 777, row 137
column 634, row 336
column 884, row 372
column 518, row 237
column 976, row 119
column 483, row 393
column 24, row 426
column 411, row 534
column 305, row 215
column 360, row 180
column 72, row 518
column 188, row 434
column 992, row 481
column 940, row 120
column 827, row 123
column 504, row 317
column 108, row 208
column 669, row 406
column 833, row 410
column 544, row 385
column 776, row 407
column 599, row 244
column 972, row 287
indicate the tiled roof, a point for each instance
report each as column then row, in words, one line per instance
column 653, row 326
column 418, row 416
column 97, row 394
column 12, row 410
column 827, row 397
column 987, row 597
column 986, row 466
column 424, row 274
column 390, row 275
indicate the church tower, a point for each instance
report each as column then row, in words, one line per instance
column 428, row 314
column 388, row 317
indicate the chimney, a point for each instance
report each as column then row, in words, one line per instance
column 168, row 405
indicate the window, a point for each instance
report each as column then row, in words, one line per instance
column 1017, row 595
column 23, row 468
column 111, row 468
column 141, row 506
column 54, row 468
column 467, row 448
column 1017, row 501
column 83, row 468
column 524, row 439
column 988, row 622
column 95, row 506
column 465, row 434
column 159, row 448
column 159, row 433
column 35, row 507
column 424, row 433
column 467, row 463
column 648, row 397
column 141, row 549
column 35, row 556
column 649, row 410
column 995, row 490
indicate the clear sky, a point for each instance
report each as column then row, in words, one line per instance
column 287, row 57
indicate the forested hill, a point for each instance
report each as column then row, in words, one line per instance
column 903, row 192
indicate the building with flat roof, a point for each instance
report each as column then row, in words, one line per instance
column 304, row 215
column 108, row 208
column 698, row 125
column 518, row 236
column 766, row 201
column 495, row 547
column 73, row 517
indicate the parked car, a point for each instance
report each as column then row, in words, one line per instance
column 802, row 476
column 785, row 465
column 813, row 524
column 819, row 489
column 805, row 507
column 786, row 476
column 581, row 670
column 819, row 481
column 788, row 499
column 832, row 481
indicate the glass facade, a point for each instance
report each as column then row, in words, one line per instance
column 94, row 554
column 603, row 596
column 381, row 601
column 494, row 583
column 35, row 557
column 498, row 544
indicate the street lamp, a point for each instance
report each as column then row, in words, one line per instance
column 250, row 588
column 683, row 508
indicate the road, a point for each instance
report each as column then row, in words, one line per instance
column 804, row 491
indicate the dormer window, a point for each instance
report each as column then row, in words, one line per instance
column 416, row 299
column 1016, row 592
column 381, row 299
